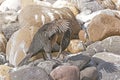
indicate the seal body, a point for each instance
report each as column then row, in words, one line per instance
column 55, row 32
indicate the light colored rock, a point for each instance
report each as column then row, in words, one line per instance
column 83, row 5
column 111, row 44
column 106, row 57
column 36, row 15
column 9, row 29
column 16, row 5
column 25, row 3
column 43, row 3
column 8, row 23
column 10, row 5
column 1, row 1
column 117, row 3
column 63, row 3
column 89, row 73
column 8, row 17
column 65, row 73
column 4, row 72
column 19, row 43
column 95, row 48
column 87, row 16
column 103, row 26
column 50, row 1
column 76, row 46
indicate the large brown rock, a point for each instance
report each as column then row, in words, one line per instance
column 19, row 44
column 103, row 26
column 36, row 15
column 65, row 73
column 82, row 35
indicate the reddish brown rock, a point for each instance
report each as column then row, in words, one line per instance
column 76, row 46
column 103, row 26
column 65, row 73
column 89, row 73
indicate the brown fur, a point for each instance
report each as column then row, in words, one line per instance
column 58, row 31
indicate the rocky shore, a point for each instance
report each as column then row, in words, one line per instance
column 93, row 52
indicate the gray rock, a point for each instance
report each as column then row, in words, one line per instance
column 95, row 48
column 79, row 60
column 109, row 71
column 8, row 17
column 48, row 65
column 112, row 44
column 9, row 29
column 105, row 57
column 9, row 23
column 51, row 1
column 89, row 73
column 30, row 73
column 36, row 62
column 83, row 5
column 90, row 5
column 2, row 58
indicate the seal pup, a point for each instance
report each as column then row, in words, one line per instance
column 58, row 31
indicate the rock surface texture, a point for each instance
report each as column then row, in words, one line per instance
column 94, row 46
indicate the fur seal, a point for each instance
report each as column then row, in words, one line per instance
column 58, row 31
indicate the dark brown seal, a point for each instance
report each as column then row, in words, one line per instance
column 57, row 31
